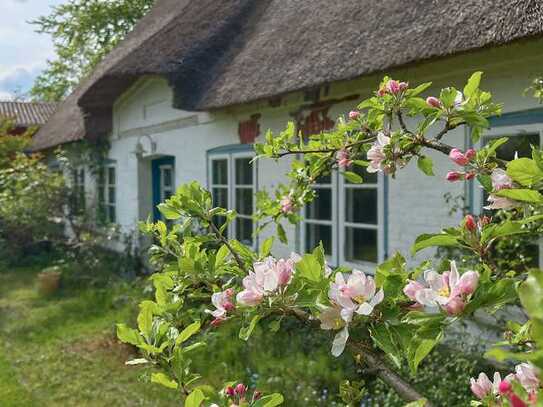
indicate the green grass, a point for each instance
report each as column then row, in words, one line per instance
column 62, row 351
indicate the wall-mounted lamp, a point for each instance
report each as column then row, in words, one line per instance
column 140, row 150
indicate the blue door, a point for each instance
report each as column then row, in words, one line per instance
column 163, row 171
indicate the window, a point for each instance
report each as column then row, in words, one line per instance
column 166, row 182
column 347, row 218
column 107, row 194
column 232, row 186
column 78, row 190
column 521, row 138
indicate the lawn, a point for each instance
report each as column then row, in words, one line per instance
column 62, row 351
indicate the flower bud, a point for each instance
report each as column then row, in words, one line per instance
column 433, row 102
column 393, row 87
column 468, row 282
column 240, row 389
column 381, row 92
column 483, row 221
column 458, row 157
column 455, row 306
column 353, row 115
column 469, row 223
column 454, row 176
column 257, row 395
column 403, row 86
column 228, row 306
column 471, row 154
column 516, row 401
column 287, row 206
column 229, row 292
column 217, row 321
column 230, row 391
column 504, row 387
column 470, row 175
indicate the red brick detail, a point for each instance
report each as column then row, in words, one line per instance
column 249, row 130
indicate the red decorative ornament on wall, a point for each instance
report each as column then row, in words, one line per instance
column 317, row 121
column 249, row 130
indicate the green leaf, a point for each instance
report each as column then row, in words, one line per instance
column 161, row 378
column 531, row 294
column 419, row 89
column 486, row 182
column 266, row 247
column 245, row 332
column 506, row 228
column 188, row 332
column 168, row 211
column 352, row 177
column 418, row 403
column 473, row 84
column 128, row 335
column 309, row 268
column 524, row 171
column 195, row 398
column 145, row 317
column 429, row 240
column 281, row 233
column 521, row 195
column 426, row 165
column 271, row 400
column 221, row 256
column 447, row 96
column 384, row 340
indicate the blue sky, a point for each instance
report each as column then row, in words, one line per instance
column 23, row 52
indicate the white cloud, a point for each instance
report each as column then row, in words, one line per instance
column 23, row 52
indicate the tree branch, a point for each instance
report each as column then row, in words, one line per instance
column 225, row 241
column 326, row 150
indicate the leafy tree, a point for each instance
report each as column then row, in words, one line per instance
column 389, row 322
column 83, row 32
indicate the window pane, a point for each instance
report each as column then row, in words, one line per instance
column 517, row 144
column 360, row 244
column 244, row 201
column 101, row 195
column 167, row 173
column 361, row 205
column 112, row 214
column 219, row 169
column 111, row 175
column 244, row 231
column 324, row 179
column 220, row 197
column 111, row 194
column 101, row 176
column 167, row 194
column 244, row 171
column 317, row 233
column 321, row 207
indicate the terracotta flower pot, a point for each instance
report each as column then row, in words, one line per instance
column 48, row 281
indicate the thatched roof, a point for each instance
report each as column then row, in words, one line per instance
column 27, row 114
column 221, row 53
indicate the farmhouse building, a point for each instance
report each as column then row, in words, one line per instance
column 185, row 95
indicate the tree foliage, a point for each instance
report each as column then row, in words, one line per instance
column 83, row 32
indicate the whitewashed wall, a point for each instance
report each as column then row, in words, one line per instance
column 416, row 203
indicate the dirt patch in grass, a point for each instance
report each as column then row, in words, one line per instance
column 105, row 344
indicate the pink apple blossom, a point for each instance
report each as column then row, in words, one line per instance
column 469, row 223
column 458, row 157
column 353, row 115
column 331, row 319
column 376, row 153
column 500, row 180
column 287, row 205
column 393, row 87
column 482, row 387
column 403, row 86
column 500, row 202
column 343, row 159
column 240, row 389
column 339, row 342
column 433, row 102
column 447, row 290
column 470, row 175
column 354, row 293
column 471, row 153
column 223, row 303
column 528, row 376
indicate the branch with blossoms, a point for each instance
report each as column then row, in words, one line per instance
column 387, row 319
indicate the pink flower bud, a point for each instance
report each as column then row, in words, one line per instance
column 471, row 154
column 454, row 176
column 393, row 87
column 458, row 157
column 228, row 306
column 516, row 401
column 343, row 159
column 470, row 175
column 433, row 102
column 217, row 321
column 381, row 92
column 403, row 86
column 230, row 391
column 257, row 395
column 469, row 223
column 504, row 387
column 241, row 389
column 285, row 269
column 468, row 282
column 229, row 292
column 483, row 221
column 287, row 206
column 353, row 115
column 455, row 306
